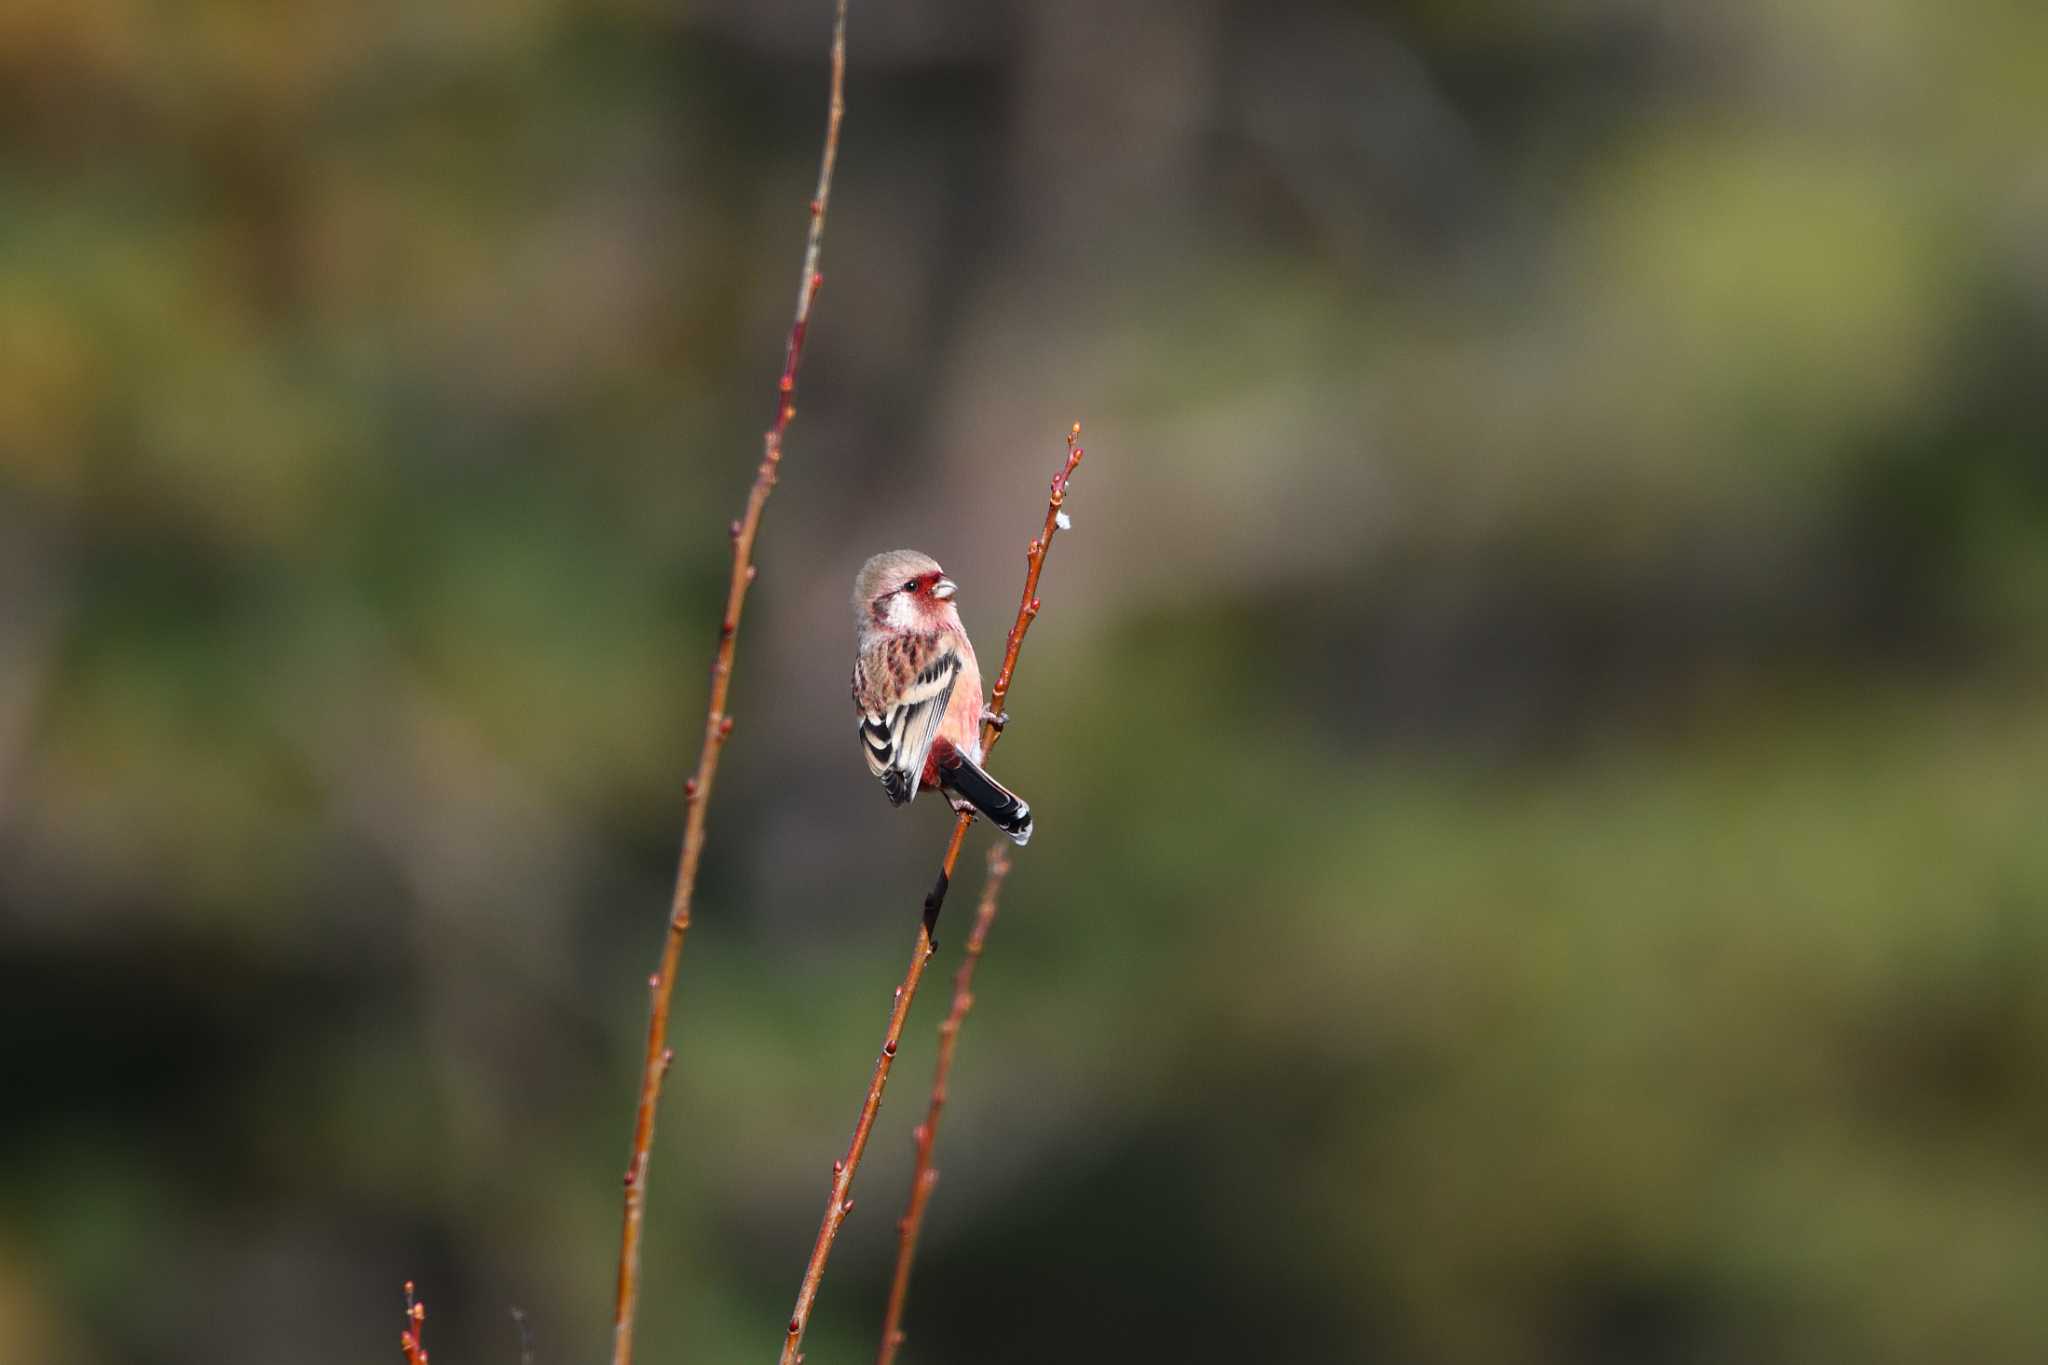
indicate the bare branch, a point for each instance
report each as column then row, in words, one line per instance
column 718, row 725
column 924, row 1177
column 840, row 1204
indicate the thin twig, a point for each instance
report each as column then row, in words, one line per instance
column 924, row 1177
column 840, row 1203
column 413, row 1339
column 718, row 725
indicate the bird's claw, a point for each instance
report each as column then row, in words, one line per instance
column 996, row 718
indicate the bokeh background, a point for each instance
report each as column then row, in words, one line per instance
column 1538, row 732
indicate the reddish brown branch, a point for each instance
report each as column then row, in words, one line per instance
column 924, row 1176
column 841, row 1201
column 718, row 725
column 413, row 1339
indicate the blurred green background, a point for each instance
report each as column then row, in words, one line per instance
column 1538, row 733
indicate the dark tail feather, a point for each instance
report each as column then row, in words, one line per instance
column 1003, row 808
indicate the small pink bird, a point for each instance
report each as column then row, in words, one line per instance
column 918, row 690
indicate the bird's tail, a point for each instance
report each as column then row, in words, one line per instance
column 1004, row 808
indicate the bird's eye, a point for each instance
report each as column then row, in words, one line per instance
column 910, row 585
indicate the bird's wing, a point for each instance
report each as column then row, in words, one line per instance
column 901, row 687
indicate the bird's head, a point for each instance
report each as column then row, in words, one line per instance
column 903, row 590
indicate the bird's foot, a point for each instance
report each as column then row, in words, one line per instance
column 996, row 718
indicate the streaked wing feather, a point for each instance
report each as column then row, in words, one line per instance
column 898, row 723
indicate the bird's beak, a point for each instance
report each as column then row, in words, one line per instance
column 944, row 588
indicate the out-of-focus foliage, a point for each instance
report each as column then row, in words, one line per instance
column 1537, row 733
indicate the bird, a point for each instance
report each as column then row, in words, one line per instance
column 917, row 691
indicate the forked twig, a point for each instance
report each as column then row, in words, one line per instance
column 840, row 1203
column 924, row 1177
column 718, row 726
